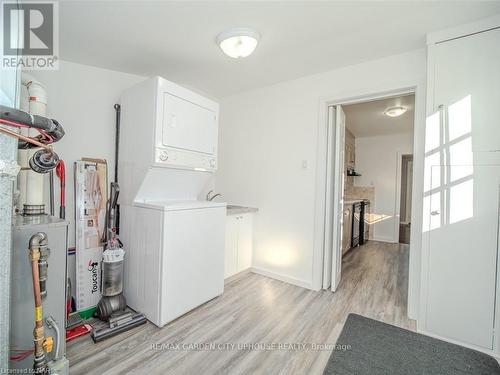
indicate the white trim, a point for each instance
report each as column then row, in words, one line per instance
column 383, row 239
column 460, row 343
column 464, row 30
column 417, row 201
column 277, row 276
column 496, row 322
column 236, row 276
column 338, row 193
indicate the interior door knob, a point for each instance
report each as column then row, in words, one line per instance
column 434, row 213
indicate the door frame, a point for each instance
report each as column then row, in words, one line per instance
column 399, row 190
column 359, row 96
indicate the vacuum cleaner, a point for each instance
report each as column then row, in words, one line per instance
column 111, row 307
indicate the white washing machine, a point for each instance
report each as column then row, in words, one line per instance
column 175, row 256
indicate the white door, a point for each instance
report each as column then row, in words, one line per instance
column 231, row 248
column 330, row 165
column 245, row 242
column 463, row 250
column 463, row 191
column 334, row 197
column 338, row 191
column 467, row 74
column 192, row 260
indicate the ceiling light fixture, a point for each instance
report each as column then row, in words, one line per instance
column 395, row 111
column 238, row 42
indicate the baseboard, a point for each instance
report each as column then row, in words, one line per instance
column 469, row 346
column 236, row 276
column 286, row 279
column 383, row 239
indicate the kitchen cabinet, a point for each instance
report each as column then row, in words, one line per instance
column 459, row 292
column 463, row 250
column 239, row 243
column 467, row 89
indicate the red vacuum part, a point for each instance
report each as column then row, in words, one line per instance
column 61, row 173
column 73, row 333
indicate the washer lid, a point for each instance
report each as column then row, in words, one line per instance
column 179, row 205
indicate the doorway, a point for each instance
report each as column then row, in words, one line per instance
column 364, row 178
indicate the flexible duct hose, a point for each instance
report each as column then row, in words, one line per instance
column 51, row 131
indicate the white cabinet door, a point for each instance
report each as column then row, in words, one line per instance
column 188, row 126
column 231, row 250
column 463, row 250
column 245, row 242
column 467, row 83
column 239, row 243
column 192, row 260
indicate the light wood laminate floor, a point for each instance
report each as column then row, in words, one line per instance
column 258, row 310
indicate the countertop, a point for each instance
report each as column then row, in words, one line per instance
column 238, row 210
column 350, row 201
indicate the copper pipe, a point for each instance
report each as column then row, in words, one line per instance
column 36, row 241
column 26, row 139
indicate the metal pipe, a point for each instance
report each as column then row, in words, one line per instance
column 51, row 323
column 117, row 138
column 39, row 362
column 27, row 139
column 51, row 192
column 116, row 214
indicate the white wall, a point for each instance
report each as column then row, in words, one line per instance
column 266, row 134
column 81, row 98
column 377, row 161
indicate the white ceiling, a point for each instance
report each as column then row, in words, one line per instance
column 177, row 39
column 368, row 119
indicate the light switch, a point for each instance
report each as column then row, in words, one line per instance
column 304, row 164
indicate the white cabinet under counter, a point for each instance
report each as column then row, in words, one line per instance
column 239, row 239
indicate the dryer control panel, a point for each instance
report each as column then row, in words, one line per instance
column 165, row 157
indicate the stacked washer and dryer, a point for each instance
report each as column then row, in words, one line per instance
column 168, row 156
